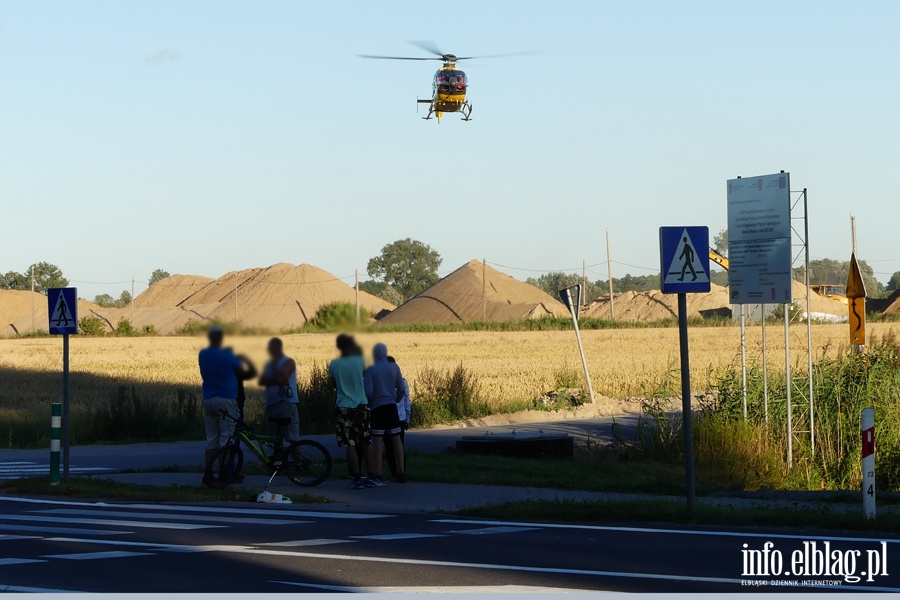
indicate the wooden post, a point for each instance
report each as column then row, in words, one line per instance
column 484, row 289
column 612, row 308
column 356, row 273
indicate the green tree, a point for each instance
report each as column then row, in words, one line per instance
column 720, row 242
column 409, row 266
column 104, row 300
column 46, row 276
column 15, row 281
column 158, row 275
column 382, row 290
column 893, row 283
column 826, row 271
column 124, row 299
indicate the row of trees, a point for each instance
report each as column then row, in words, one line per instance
column 47, row 275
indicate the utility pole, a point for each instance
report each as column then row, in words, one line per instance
column 356, row 272
column 484, row 289
column 584, row 301
column 612, row 308
column 853, row 232
column 235, row 298
column 132, row 300
column 32, row 297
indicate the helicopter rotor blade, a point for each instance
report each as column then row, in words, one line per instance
column 399, row 57
column 429, row 47
column 525, row 53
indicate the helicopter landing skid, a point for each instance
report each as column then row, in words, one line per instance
column 466, row 111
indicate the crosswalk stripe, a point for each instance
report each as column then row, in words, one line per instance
column 5, row 464
column 397, row 536
column 46, row 469
column 171, row 516
column 98, row 555
column 9, row 538
column 441, row 589
column 491, row 530
column 84, row 521
column 60, row 530
column 313, row 542
column 19, row 561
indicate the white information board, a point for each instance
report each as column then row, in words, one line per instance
column 759, row 240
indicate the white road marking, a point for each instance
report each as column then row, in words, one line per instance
column 46, row 469
column 98, row 555
column 19, row 561
column 81, row 521
column 173, row 517
column 700, row 532
column 9, row 538
column 313, row 542
column 21, row 589
column 492, row 530
column 182, row 508
column 6, row 464
column 60, row 530
column 397, row 536
column 442, row 589
column 149, row 545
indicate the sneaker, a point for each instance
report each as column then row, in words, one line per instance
column 374, row 482
column 359, row 484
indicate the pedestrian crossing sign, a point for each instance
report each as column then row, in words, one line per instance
column 684, row 260
column 62, row 308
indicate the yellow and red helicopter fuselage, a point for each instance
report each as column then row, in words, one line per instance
column 449, row 93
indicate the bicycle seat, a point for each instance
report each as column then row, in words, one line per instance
column 280, row 421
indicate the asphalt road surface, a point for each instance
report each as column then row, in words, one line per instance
column 99, row 459
column 49, row 545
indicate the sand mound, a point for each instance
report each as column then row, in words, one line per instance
column 171, row 291
column 15, row 311
column 654, row 305
column 459, row 298
column 274, row 298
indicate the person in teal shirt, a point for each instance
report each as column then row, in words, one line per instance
column 354, row 431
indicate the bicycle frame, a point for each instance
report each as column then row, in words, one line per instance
column 255, row 443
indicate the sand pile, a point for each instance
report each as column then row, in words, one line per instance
column 462, row 297
column 274, row 298
column 654, row 305
column 16, row 315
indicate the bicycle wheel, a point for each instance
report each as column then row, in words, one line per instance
column 307, row 463
column 226, row 466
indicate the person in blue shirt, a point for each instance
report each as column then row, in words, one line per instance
column 218, row 369
column 384, row 389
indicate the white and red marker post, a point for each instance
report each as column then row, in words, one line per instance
column 868, row 462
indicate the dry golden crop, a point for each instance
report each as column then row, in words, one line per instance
column 510, row 366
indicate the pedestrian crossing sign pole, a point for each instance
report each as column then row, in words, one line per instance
column 684, row 269
column 62, row 311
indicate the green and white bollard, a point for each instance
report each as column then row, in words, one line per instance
column 55, row 429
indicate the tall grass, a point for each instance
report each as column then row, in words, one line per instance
column 445, row 396
column 753, row 454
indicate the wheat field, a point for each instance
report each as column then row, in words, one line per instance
column 510, row 366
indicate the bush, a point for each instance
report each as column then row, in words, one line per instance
column 337, row 316
column 149, row 330
column 316, row 397
column 91, row 326
column 125, row 329
column 446, row 396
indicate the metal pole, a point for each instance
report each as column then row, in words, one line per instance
column 484, row 289
column 686, row 413
column 55, row 426
column 587, row 375
column 132, row 299
column 853, row 232
column 612, row 307
column 357, row 296
column 809, row 346
column 765, row 366
column 32, row 298
column 65, row 408
column 584, row 282
column 235, row 299
column 744, row 360
column 787, row 379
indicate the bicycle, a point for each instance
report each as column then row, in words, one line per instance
column 306, row 462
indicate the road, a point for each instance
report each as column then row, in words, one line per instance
column 72, row 546
column 99, row 459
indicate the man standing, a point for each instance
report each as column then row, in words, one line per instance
column 280, row 380
column 218, row 366
column 384, row 389
column 352, row 411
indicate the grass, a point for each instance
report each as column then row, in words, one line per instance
column 104, row 489
column 666, row 511
column 147, row 388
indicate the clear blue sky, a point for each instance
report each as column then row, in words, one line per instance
column 203, row 137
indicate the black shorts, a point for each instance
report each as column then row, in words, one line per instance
column 385, row 420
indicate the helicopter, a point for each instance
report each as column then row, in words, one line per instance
column 450, row 84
